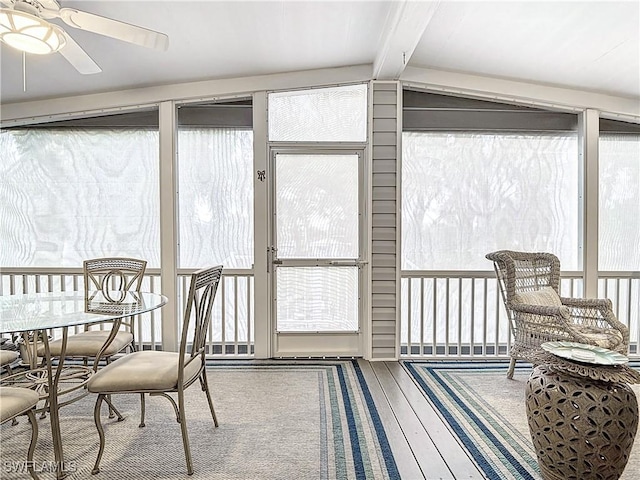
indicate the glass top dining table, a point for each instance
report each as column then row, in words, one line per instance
column 40, row 312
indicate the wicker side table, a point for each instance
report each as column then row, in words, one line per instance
column 582, row 418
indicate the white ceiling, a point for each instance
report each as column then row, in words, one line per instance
column 592, row 46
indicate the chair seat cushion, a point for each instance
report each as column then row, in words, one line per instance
column 609, row 338
column 142, row 371
column 8, row 356
column 16, row 400
column 88, row 344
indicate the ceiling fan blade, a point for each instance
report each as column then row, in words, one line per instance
column 77, row 57
column 115, row 29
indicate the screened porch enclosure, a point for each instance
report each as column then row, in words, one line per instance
column 472, row 177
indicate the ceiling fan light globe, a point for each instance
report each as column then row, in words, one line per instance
column 30, row 34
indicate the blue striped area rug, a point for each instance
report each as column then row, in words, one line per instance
column 487, row 413
column 279, row 420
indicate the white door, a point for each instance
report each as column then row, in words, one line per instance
column 316, row 252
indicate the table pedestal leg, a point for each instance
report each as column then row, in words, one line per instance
column 54, row 418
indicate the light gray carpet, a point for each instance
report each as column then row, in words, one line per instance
column 487, row 413
column 277, row 421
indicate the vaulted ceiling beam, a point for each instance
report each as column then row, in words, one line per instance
column 406, row 22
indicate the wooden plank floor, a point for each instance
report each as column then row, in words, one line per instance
column 423, row 446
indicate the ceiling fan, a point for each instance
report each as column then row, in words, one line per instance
column 24, row 25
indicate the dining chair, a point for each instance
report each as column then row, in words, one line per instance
column 108, row 276
column 529, row 283
column 7, row 357
column 159, row 373
column 16, row 401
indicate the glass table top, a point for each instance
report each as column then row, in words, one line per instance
column 35, row 311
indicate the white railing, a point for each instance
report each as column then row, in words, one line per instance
column 453, row 314
column 444, row 314
column 234, row 301
column 231, row 332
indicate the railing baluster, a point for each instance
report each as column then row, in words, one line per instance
column 235, row 314
column 422, row 317
column 249, row 330
column 434, row 329
column 223, row 328
column 410, row 318
column 473, row 318
column 486, row 317
column 460, row 316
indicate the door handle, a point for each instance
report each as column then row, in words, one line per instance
column 349, row 263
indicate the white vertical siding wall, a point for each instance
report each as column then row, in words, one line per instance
column 384, row 252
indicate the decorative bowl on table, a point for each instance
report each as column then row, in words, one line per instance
column 582, row 352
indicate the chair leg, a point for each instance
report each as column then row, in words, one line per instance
column 142, row 408
column 111, row 412
column 96, row 418
column 43, row 414
column 205, row 389
column 32, row 444
column 183, row 428
column 113, row 409
column 512, row 366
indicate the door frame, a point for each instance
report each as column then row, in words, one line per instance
column 320, row 344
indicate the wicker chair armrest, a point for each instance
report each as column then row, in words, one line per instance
column 547, row 319
column 587, row 302
column 582, row 307
column 560, row 317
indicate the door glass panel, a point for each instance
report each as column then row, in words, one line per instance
column 319, row 299
column 317, row 206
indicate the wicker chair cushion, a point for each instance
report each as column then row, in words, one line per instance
column 546, row 296
column 609, row 338
column 16, row 400
column 88, row 344
column 147, row 370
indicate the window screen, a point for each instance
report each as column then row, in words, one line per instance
column 68, row 194
column 322, row 115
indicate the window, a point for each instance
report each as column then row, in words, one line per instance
column 467, row 194
column 619, row 198
column 69, row 193
column 215, row 197
column 479, row 176
column 336, row 114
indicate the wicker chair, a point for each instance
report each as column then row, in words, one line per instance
column 529, row 284
column 160, row 373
